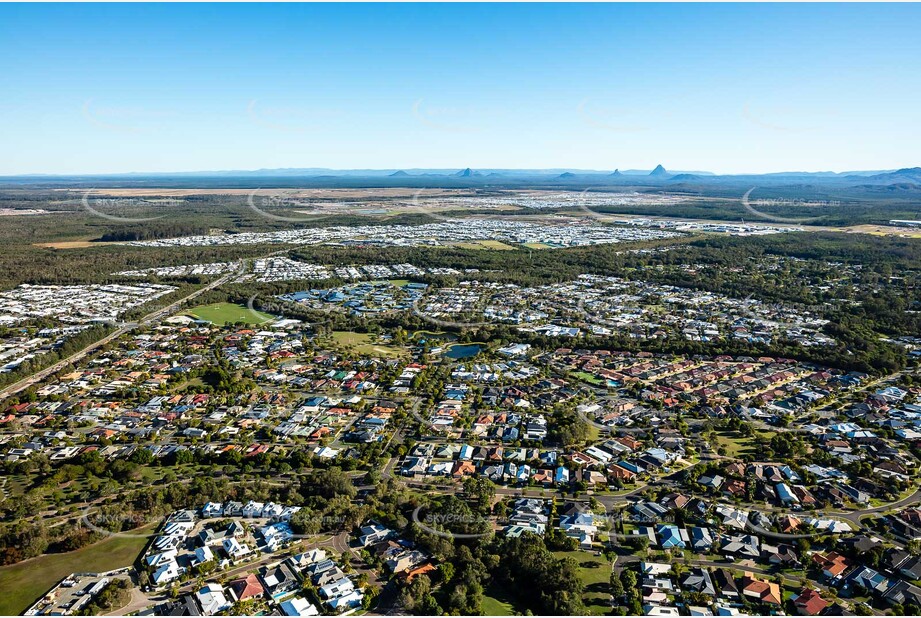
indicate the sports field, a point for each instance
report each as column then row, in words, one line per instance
column 229, row 313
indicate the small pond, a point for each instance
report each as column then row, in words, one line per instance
column 458, row 351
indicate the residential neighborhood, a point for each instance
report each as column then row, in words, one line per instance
column 659, row 467
column 435, row 309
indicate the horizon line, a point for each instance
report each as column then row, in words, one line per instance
column 446, row 170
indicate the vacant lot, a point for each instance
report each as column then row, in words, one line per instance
column 484, row 244
column 886, row 230
column 74, row 244
column 229, row 313
column 22, row 584
column 736, row 445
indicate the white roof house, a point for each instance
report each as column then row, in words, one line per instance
column 299, row 606
column 167, row 572
column 337, row 589
column 212, row 599
column 352, row 599
column 234, row 548
column 161, row 558
column 203, row 554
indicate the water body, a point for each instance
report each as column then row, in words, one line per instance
column 458, row 351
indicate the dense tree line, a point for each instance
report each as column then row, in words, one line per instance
column 154, row 230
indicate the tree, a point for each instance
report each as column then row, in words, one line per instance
column 446, row 571
column 305, row 521
column 617, row 588
column 328, row 484
column 481, row 489
column 553, row 585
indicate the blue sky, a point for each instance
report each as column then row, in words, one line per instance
column 724, row 88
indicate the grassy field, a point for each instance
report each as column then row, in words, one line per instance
column 587, row 377
column 224, row 313
column 484, row 244
column 192, row 385
column 363, row 343
column 23, row 583
column 596, row 575
column 496, row 603
column 736, row 445
column 876, row 502
column 536, row 245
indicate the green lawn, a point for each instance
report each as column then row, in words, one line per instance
column 224, row 313
column 587, row 377
column 495, row 244
column 878, row 502
column 364, row 343
column 22, row 584
column 733, row 443
column 596, row 575
column 190, row 385
column 737, row 445
column 430, row 333
column 496, row 603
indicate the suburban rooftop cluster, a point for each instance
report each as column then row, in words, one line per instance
column 638, row 309
column 76, row 304
column 565, row 234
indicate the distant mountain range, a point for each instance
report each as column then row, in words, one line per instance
column 902, row 180
column 905, row 175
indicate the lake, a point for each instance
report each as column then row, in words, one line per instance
column 463, row 351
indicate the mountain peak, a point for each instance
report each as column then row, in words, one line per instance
column 659, row 171
column 616, row 173
column 465, row 173
column 399, row 173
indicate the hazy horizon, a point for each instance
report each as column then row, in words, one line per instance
column 410, row 171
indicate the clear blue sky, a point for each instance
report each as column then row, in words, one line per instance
column 725, row 88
